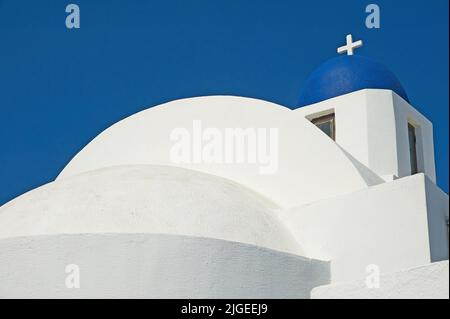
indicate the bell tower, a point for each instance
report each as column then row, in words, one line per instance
column 362, row 106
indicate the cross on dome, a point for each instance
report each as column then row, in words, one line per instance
column 350, row 46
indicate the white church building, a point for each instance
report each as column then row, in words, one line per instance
column 234, row 197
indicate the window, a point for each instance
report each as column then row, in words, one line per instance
column 447, row 223
column 412, row 148
column 327, row 124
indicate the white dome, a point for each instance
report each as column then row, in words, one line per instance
column 307, row 165
column 147, row 199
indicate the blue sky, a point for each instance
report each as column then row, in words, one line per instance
column 59, row 88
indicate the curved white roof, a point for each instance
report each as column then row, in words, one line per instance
column 147, row 199
column 310, row 166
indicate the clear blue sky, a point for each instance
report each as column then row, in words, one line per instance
column 59, row 88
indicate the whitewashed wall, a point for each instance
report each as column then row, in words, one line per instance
column 372, row 125
column 425, row 282
column 150, row 232
column 392, row 225
column 152, row 266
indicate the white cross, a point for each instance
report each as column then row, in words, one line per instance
column 350, row 46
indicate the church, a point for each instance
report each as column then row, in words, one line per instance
column 236, row 197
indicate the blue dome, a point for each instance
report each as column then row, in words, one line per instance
column 346, row 74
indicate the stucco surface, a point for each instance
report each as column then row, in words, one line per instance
column 309, row 165
column 391, row 225
column 372, row 127
column 140, row 225
column 147, row 199
column 152, row 266
column 429, row 281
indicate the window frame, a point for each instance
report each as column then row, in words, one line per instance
column 324, row 119
column 412, row 146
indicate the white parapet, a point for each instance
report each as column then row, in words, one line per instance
column 424, row 282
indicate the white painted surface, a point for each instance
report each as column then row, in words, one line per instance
column 372, row 126
column 152, row 266
column 225, row 230
column 387, row 225
column 147, row 199
column 311, row 165
column 350, row 45
column 405, row 113
column 438, row 216
column 430, row 281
